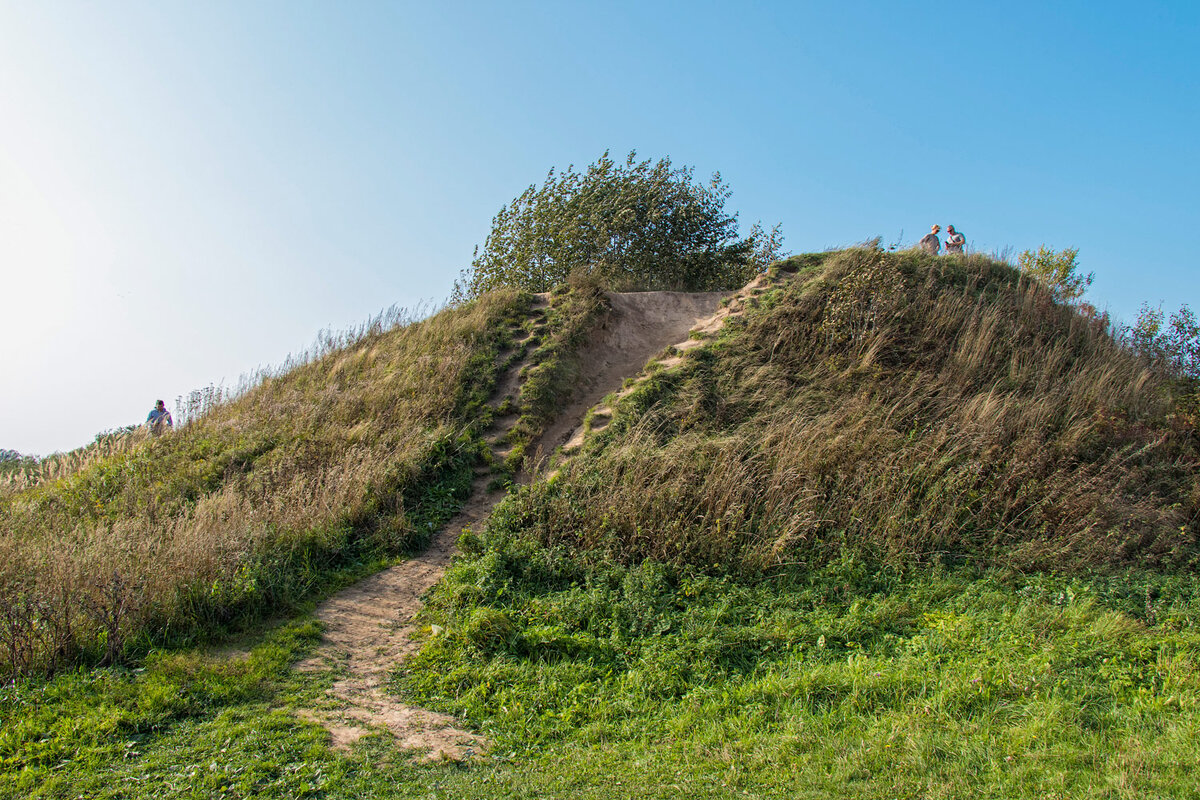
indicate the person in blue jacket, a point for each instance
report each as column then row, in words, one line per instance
column 159, row 419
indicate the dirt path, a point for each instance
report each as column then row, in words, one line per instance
column 368, row 630
column 368, row 627
column 640, row 325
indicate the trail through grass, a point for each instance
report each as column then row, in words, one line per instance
column 612, row 681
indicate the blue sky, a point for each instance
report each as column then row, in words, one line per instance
column 189, row 191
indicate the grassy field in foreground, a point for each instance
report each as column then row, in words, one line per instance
column 852, row 683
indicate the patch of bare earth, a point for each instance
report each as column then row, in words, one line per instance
column 639, row 326
column 368, row 628
column 368, row 631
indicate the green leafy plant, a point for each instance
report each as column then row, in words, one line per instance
column 1174, row 343
column 1058, row 270
column 636, row 225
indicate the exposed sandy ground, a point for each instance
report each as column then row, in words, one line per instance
column 640, row 325
column 368, row 631
column 369, row 628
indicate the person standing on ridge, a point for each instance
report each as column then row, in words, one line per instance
column 955, row 241
column 931, row 244
column 159, row 419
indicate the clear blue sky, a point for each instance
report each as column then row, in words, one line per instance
column 189, row 191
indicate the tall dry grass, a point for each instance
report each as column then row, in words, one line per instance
column 203, row 402
column 246, row 506
column 908, row 407
column 32, row 471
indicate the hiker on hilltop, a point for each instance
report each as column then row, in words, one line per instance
column 931, row 244
column 159, row 419
column 955, row 241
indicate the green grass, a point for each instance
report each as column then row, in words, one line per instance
column 644, row 681
column 853, row 681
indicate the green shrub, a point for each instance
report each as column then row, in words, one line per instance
column 639, row 225
column 1059, row 271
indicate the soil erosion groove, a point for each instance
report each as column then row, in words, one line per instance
column 368, row 627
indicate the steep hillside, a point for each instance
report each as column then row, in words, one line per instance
column 353, row 456
column 908, row 408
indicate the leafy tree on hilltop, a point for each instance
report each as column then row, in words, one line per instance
column 636, row 225
column 1058, row 270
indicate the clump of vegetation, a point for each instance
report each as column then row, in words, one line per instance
column 29, row 471
column 637, row 225
column 354, row 455
column 14, row 465
column 1172, row 345
column 898, row 405
column 1058, row 270
column 10, row 456
column 553, row 369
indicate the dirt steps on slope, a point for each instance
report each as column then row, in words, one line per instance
column 599, row 414
column 368, row 627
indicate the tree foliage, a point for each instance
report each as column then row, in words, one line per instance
column 634, row 225
column 1058, row 270
column 1173, row 344
column 11, row 461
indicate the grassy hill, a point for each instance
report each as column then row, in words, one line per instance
column 907, row 409
column 352, row 456
column 906, row 527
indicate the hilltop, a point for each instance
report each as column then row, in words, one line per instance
column 916, row 410
column 879, row 524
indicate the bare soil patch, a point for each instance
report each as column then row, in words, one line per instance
column 640, row 325
column 368, row 631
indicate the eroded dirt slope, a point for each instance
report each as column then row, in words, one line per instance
column 640, row 325
column 369, row 627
